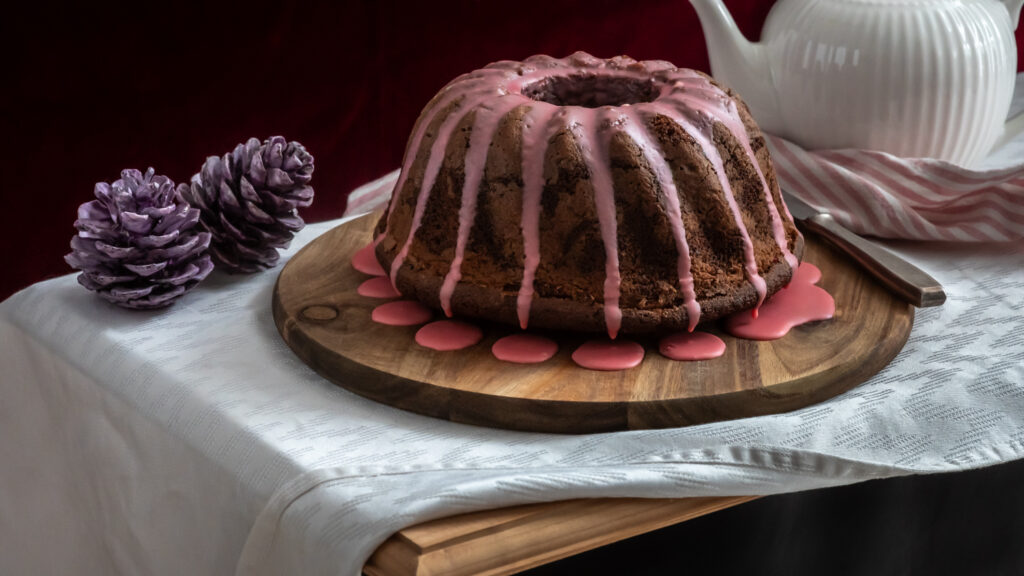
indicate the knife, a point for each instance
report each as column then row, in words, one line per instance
column 901, row 277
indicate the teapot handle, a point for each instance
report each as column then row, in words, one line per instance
column 1014, row 127
column 1013, row 7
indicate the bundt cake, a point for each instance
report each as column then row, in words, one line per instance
column 589, row 195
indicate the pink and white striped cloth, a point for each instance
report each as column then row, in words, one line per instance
column 877, row 194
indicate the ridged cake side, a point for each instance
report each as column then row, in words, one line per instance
column 513, row 203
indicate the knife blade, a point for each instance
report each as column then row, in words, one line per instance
column 901, row 277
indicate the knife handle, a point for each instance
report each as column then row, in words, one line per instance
column 908, row 281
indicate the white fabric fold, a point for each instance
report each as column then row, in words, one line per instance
column 192, row 439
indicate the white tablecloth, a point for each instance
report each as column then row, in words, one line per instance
column 192, row 441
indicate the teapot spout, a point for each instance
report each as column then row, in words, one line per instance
column 742, row 65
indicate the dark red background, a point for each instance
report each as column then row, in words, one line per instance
column 91, row 90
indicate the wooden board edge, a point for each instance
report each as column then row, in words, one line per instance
column 549, row 532
column 546, row 415
column 469, row 407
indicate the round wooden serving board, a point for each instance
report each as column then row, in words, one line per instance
column 327, row 324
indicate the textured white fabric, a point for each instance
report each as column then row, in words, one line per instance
column 192, row 441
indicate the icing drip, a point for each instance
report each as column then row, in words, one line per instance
column 778, row 231
column 485, row 124
column 365, row 261
column 727, row 113
column 434, row 161
column 401, row 313
column 378, row 287
column 447, row 95
column 537, row 132
column 584, row 123
column 798, row 303
column 670, row 197
column 446, row 335
column 691, row 346
column 524, row 349
column 608, row 355
column 705, row 139
column 472, row 99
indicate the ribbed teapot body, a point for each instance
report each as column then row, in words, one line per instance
column 917, row 78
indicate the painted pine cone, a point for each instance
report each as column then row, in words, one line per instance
column 249, row 201
column 138, row 245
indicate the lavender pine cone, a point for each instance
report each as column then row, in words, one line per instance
column 138, row 245
column 249, row 201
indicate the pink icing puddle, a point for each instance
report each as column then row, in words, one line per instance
column 445, row 335
column 524, row 349
column 402, row 313
column 609, row 355
column 796, row 304
column 378, row 287
column 365, row 261
column 691, row 346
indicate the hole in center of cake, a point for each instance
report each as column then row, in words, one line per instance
column 591, row 91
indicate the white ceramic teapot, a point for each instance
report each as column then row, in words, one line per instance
column 917, row 78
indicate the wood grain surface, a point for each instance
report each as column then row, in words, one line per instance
column 327, row 324
column 511, row 540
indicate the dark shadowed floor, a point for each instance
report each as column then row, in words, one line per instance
column 967, row 523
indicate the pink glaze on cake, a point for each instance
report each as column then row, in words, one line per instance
column 366, row 262
column 798, row 303
column 708, row 99
column 684, row 96
column 609, row 355
column 471, row 100
column 537, row 130
column 703, row 137
column 473, row 80
column 524, row 349
column 447, row 335
column 688, row 346
column 402, row 313
column 378, row 287
column 584, row 124
column 485, row 123
column 652, row 152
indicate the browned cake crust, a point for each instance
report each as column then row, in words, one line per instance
column 570, row 278
column 482, row 302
